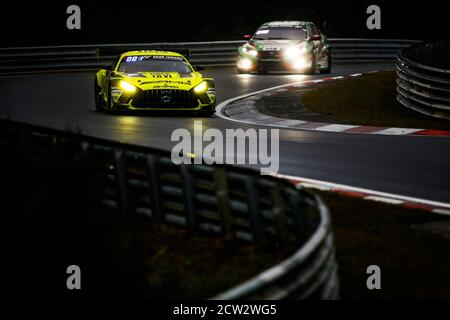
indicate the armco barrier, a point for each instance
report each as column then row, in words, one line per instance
column 422, row 85
column 227, row 201
column 216, row 53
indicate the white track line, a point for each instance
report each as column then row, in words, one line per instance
column 336, row 127
column 332, row 185
column 396, row 131
column 384, row 199
column 441, row 211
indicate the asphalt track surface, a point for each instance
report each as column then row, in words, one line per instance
column 407, row 165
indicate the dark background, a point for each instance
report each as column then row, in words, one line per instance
column 44, row 23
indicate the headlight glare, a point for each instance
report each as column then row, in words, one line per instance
column 250, row 50
column 299, row 63
column 253, row 52
column 294, row 51
column 245, row 63
column 127, row 87
column 201, row 87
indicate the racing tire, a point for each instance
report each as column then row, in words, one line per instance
column 99, row 102
column 109, row 103
column 262, row 71
column 312, row 67
column 206, row 113
column 328, row 69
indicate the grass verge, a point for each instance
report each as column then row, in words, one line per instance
column 168, row 262
column 410, row 246
column 367, row 100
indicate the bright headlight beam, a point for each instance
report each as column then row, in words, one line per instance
column 294, row 52
column 127, row 87
column 245, row 64
column 201, row 87
column 299, row 63
column 253, row 52
column 250, row 51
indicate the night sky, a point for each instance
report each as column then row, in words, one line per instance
column 44, row 23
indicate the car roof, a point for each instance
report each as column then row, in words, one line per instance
column 292, row 23
column 151, row 53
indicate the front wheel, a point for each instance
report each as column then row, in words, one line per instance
column 312, row 67
column 204, row 114
column 207, row 112
column 110, row 107
column 262, row 71
column 99, row 102
column 328, row 68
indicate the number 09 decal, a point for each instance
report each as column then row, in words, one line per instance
column 132, row 58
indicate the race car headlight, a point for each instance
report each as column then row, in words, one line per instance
column 201, row 87
column 299, row 63
column 294, row 51
column 245, row 64
column 250, row 50
column 127, row 87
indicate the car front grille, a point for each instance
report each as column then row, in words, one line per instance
column 270, row 54
column 160, row 98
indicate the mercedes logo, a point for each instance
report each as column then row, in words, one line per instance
column 165, row 96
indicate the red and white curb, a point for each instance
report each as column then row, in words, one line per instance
column 244, row 111
column 371, row 195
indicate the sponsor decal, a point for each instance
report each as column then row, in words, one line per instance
column 271, row 48
column 161, row 75
column 165, row 81
column 154, row 57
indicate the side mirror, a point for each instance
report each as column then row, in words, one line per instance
column 199, row 68
column 247, row 36
column 315, row 37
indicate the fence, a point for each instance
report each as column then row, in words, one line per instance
column 423, row 79
column 216, row 53
column 226, row 201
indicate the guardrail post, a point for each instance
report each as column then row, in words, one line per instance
column 298, row 218
column 254, row 208
column 223, row 202
column 155, row 190
column 121, row 180
column 279, row 210
column 188, row 196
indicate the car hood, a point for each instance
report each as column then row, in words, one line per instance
column 161, row 80
column 276, row 44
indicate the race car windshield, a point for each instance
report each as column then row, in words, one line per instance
column 280, row 33
column 154, row 64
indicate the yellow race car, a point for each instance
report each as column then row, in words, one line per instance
column 153, row 80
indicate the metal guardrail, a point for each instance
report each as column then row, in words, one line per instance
column 216, row 53
column 421, row 86
column 227, row 201
column 290, row 279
